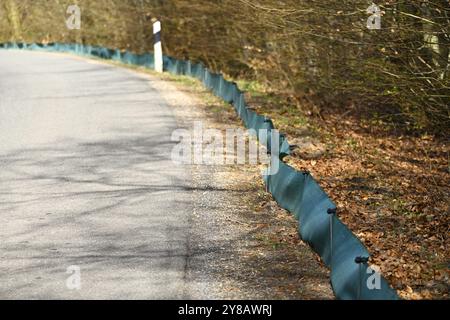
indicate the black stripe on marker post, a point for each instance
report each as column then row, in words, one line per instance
column 157, row 37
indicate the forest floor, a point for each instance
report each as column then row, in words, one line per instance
column 391, row 188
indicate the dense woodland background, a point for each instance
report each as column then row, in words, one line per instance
column 318, row 51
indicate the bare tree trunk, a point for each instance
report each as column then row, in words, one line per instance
column 13, row 15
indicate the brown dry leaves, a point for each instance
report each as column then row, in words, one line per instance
column 393, row 192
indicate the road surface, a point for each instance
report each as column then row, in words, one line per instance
column 86, row 180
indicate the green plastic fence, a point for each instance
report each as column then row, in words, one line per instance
column 295, row 191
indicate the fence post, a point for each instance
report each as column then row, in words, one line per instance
column 331, row 212
column 360, row 261
column 157, row 47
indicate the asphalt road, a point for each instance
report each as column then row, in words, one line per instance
column 86, row 180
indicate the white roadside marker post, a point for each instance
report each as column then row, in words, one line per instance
column 157, row 47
